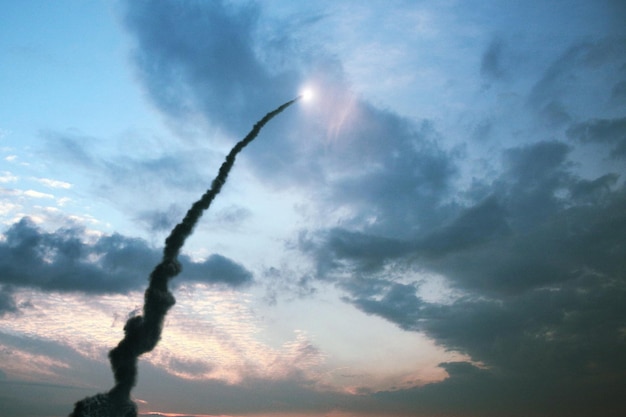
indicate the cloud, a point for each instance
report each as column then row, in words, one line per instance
column 491, row 65
column 479, row 224
column 289, row 396
column 402, row 176
column 605, row 131
column 232, row 216
column 182, row 171
column 594, row 191
column 65, row 260
column 222, row 270
column 551, row 340
column 6, row 177
column 589, row 69
column 367, row 252
column 186, row 69
column 39, row 380
column 525, row 195
column 618, row 93
column 7, row 302
column 536, row 199
column 62, row 261
column 37, row 194
column 534, row 175
column 534, row 264
column 160, row 220
column 54, row 183
column 135, row 170
column 287, row 281
column 491, row 394
column 163, row 220
column 187, row 367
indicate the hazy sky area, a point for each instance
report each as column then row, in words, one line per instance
column 439, row 231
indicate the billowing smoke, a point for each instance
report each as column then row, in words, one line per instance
column 142, row 333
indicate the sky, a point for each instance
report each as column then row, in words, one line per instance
column 439, row 231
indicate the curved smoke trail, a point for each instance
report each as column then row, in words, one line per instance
column 142, row 333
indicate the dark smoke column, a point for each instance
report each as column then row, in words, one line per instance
column 142, row 333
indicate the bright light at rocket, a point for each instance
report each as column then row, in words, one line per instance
column 307, row 94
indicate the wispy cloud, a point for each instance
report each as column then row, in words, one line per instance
column 54, row 183
column 6, row 177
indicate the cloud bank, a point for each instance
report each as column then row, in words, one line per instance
column 67, row 260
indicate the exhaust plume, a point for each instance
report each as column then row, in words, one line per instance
column 143, row 332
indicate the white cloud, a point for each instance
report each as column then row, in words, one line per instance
column 54, row 183
column 36, row 194
column 6, row 177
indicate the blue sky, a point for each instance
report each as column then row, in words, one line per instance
column 438, row 232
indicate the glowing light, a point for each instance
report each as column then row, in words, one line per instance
column 307, row 94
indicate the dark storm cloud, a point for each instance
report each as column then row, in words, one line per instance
column 542, row 309
column 524, row 196
column 539, row 264
column 595, row 191
column 530, row 231
column 477, row 392
column 533, row 175
column 364, row 251
column 541, row 332
column 560, row 346
column 474, row 226
column 606, row 131
column 63, row 261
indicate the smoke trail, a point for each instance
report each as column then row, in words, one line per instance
column 142, row 333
